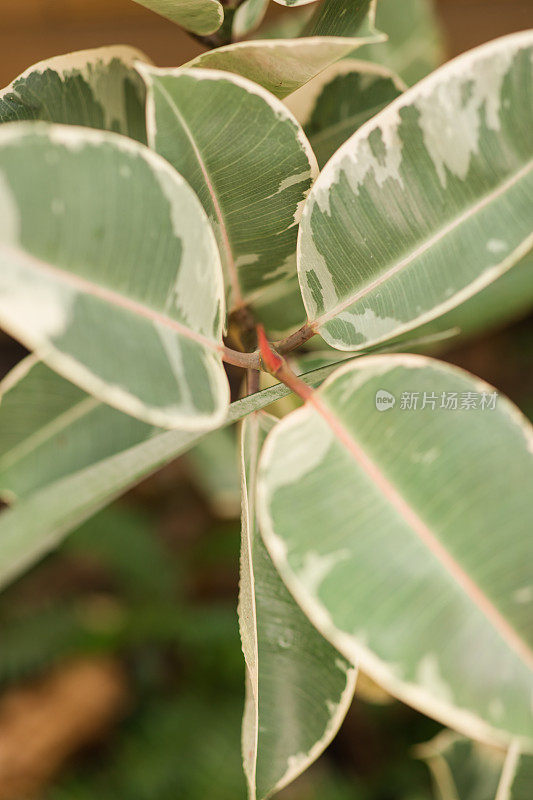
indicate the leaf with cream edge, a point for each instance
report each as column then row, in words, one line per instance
column 461, row 769
column 388, row 529
column 413, row 215
column 286, row 26
column 49, row 428
column 247, row 17
column 414, row 46
column 508, row 298
column 466, row 770
column 202, row 122
column 292, row 3
column 95, row 88
column 83, row 479
column 334, row 104
column 198, row 16
column 298, row 687
column 283, row 65
column 517, row 780
column 110, row 272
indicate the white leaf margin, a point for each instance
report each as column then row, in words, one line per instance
column 74, row 137
column 329, row 174
column 302, row 761
column 303, row 101
column 465, row 722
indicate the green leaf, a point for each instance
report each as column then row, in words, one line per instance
column 404, row 535
column 50, row 428
column 519, row 779
column 428, row 203
column 414, row 46
column 465, row 770
column 198, row 16
column 38, row 522
column 462, row 769
column 292, row 3
column 110, row 272
column 506, row 299
column 341, row 18
column 279, row 65
column 248, row 16
column 298, row 687
column 286, row 26
column 251, row 166
column 283, row 65
column 95, row 88
column 334, row 104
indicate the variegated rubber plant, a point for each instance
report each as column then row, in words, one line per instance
column 157, row 224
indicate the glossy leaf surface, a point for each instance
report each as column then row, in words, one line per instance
column 386, row 511
column 95, row 88
column 283, row 65
column 198, row 16
column 202, row 122
column 426, row 204
column 334, row 105
column 38, row 522
column 110, row 272
column 298, row 687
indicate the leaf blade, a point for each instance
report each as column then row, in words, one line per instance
column 427, row 205
column 50, row 428
column 282, row 65
column 508, row 298
column 414, row 46
column 285, row 657
column 460, row 767
column 96, row 88
column 341, row 18
column 46, row 514
column 72, row 258
column 252, row 195
column 334, row 104
column 439, row 507
column 199, row 16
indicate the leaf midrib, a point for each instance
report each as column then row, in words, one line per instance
column 87, row 287
column 392, row 495
column 56, row 425
column 424, row 247
column 237, row 298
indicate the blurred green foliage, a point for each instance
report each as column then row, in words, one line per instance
column 118, row 587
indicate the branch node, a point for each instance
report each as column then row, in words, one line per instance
column 272, row 361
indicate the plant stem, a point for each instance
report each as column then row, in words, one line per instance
column 238, row 359
column 296, row 339
column 278, row 367
column 254, row 360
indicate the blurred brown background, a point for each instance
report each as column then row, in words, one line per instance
column 35, row 29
